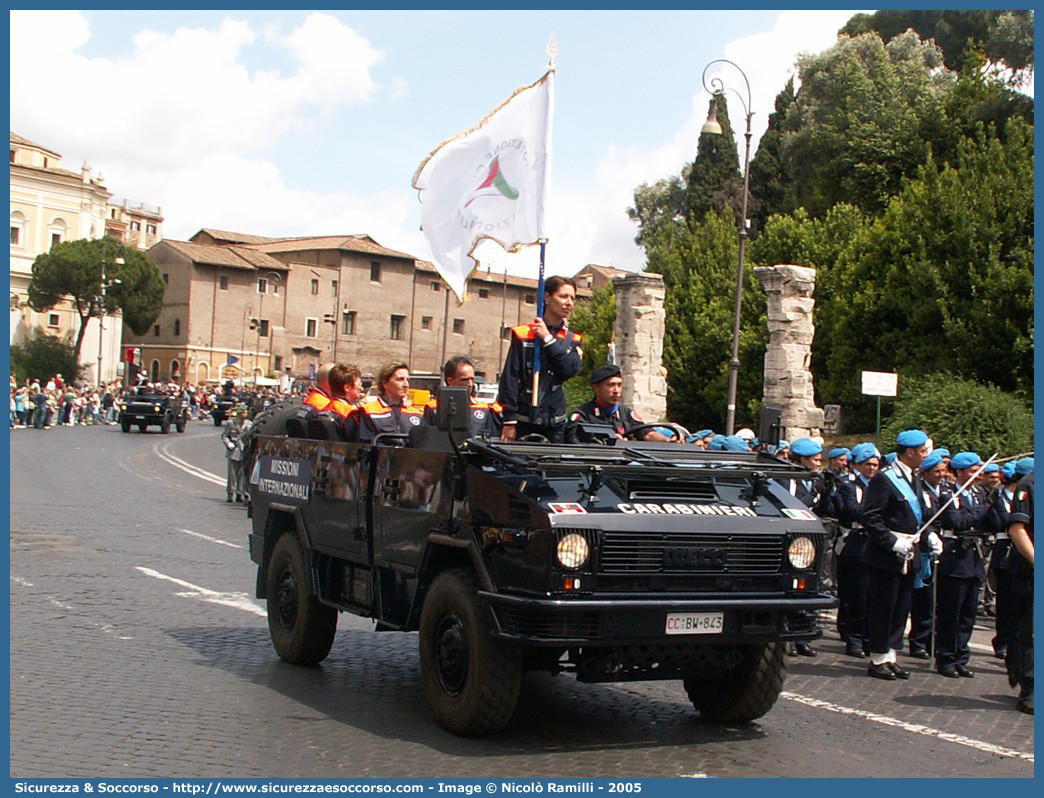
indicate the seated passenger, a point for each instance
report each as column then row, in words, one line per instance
column 486, row 419
column 345, row 387
column 605, row 409
column 319, row 396
column 389, row 411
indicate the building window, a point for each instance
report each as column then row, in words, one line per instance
column 333, row 288
column 278, row 365
column 483, row 293
column 505, row 333
column 55, row 239
column 59, row 230
column 166, row 278
column 177, row 327
column 112, row 213
column 263, row 328
column 150, row 229
column 156, row 330
column 135, row 226
column 375, row 271
column 310, row 327
column 16, row 235
column 530, row 299
column 315, row 286
column 436, row 285
column 396, row 327
column 52, row 319
column 425, row 322
column 175, row 369
column 458, row 326
column 12, row 156
column 223, row 283
column 348, row 322
column 155, row 370
column 262, row 285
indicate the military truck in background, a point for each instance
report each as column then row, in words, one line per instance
column 618, row 562
column 154, row 410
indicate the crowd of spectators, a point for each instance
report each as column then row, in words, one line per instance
column 43, row 404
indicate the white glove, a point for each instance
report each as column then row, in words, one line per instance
column 936, row 543
column 902, row 547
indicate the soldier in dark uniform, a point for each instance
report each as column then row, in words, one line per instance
column 851, row 571
column 389, row 411
column 486, row 419
column 605, row 409
column 936, row 492
column 1020, row 564
column 560, row 359
column 960, row 572
column 1006, row 613
column 893, row 512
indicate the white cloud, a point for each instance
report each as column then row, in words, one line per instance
column 181, row 96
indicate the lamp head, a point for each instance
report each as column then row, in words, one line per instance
column 711, row 125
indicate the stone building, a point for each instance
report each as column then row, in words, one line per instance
column 345, row 298
column 51, row 204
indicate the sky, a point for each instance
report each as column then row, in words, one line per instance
column 296, row 123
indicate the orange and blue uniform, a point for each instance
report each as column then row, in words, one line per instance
column 375, row 416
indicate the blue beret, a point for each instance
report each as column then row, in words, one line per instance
column 755, row 443
column 889, row 458
column 943, row 452
column 989, row 469
column 911, row 437
column 703, row 433
column 782, row 445
column 931, row 461
column 965, row 460
column 717, row 443
column 862, row 452
column 734, row 443
column 842, row 451
column 1008, row 469
column 1024, row 466
column 805, row 447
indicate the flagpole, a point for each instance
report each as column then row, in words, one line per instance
column 538, row 345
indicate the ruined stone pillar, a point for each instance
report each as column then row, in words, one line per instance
column 640, row 319
column 788, row 381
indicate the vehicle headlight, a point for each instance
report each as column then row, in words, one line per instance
column 155, row 408
column 802, row 553
column 573, row 551
column 123, row 407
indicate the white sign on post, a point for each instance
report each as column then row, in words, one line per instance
column 879, row 383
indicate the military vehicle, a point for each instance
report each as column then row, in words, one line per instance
column 153, row 410
column 617, row 562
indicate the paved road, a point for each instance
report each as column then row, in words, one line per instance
column 137, row 649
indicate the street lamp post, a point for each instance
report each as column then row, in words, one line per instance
column 274, row 278
column 718, row 88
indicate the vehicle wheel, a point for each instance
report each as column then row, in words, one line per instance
column 180, row 425
column 471, row 680
column 217, row 421
column 745, row 694
column 302, row 629
column 165, row 425
column 143, row 427
column 125, row 425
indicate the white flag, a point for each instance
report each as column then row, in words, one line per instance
column 490, row 182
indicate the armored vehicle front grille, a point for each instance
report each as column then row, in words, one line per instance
column 666, row 490
column 643, row 552
column 534, row 623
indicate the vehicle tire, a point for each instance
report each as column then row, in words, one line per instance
column 471, row 679
column 180, row 427
column 217, row 421
column 125, row 425
column 302, row 629
column 745, row 694
column 143, row 427
column 165, row 425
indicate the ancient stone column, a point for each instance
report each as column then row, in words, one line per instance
column 639, row 343
column 788, row 381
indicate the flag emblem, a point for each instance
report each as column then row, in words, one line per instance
column 494, row 184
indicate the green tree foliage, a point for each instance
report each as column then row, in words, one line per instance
column 962, row 415
column 698, row 263
column 43, row 356
column 944, row 280
column 863, row 120
column 73, row 269
column 768, row 172
column 594, row 320
column 1003, row 36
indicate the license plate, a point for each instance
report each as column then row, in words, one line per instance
column 695, row 623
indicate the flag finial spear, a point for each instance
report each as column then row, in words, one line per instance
column 552, row 50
